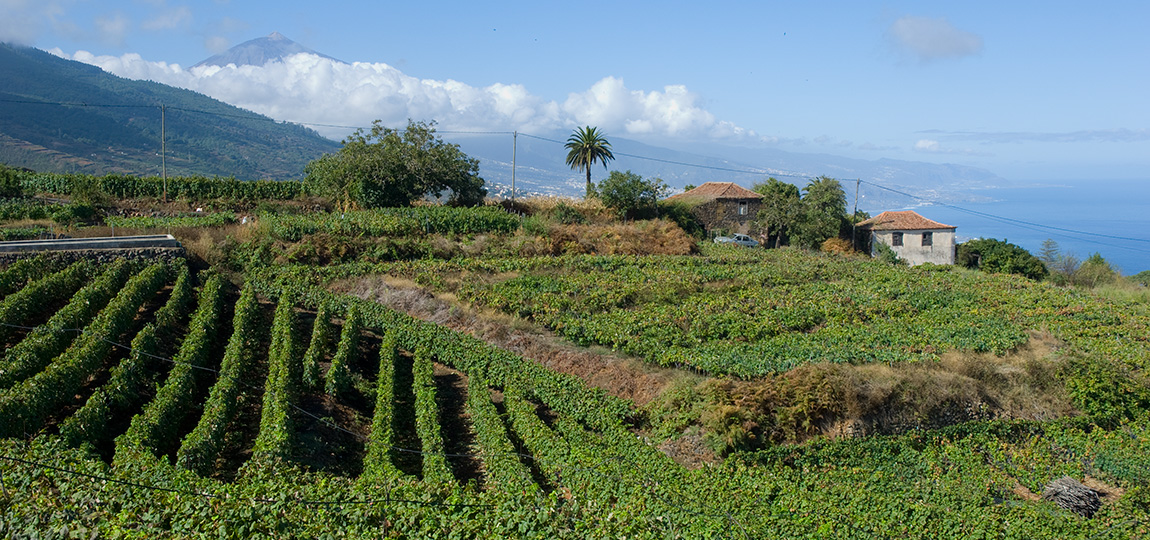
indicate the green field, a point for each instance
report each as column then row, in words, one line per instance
column 250, row 399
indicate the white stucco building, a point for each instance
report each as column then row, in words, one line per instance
column 913, row 238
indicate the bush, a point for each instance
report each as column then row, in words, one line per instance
column 887, row 255
column 568, row 215
column 1093, row 272
column 10, row 185
column 1142, row 278
column 837, row 245
column 999, row 257
column 630, row 195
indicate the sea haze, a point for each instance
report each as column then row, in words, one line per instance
column 1117, row 209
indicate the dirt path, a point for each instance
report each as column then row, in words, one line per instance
column 622, row 377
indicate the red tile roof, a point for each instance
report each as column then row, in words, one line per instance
column 716, row 190
column 907, row 220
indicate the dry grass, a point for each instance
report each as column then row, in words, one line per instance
column 845, row 400
column 654, row 237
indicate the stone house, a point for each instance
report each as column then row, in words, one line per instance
column 722, row 205
column 912, row 237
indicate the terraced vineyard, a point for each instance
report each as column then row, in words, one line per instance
column 141, row 401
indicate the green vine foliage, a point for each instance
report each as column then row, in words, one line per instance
column 321, row 337
column 199, row 449
column 435, row 469
column 130, row 378
column 338, row 377
column 24, row 408
column 275, row 437
column 584, row 473
column 381, row 448
column 155, row 428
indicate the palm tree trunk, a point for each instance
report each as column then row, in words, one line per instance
column 590, row 188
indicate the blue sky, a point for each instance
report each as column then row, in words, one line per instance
column 1030, row 90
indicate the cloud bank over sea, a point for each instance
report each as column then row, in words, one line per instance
column 335, row 97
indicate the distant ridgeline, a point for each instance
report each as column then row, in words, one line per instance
column 59, row 115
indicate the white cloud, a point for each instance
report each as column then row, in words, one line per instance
column 927, row 145
column 312, row 90
column 1114, row 135
column 22, row 20
column 931, row 146
column 930, row 39
column 674, row 111
column 112, row 28
column 169, row 18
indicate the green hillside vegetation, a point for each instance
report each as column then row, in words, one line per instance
column 374, row 373
column 112, row 125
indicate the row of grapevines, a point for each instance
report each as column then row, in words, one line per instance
column 504, row 470
column 48, row 340
column 435, row 469
column 562, row 392
column 393, row 222
column 24, row 306
column 339, row 374
column 322, row 333
column 31, row 232
column 189, row 187
column 274, row 441
column 156, row 427
column 293, row 228
column 217, row 219
column 25, row 406
column 199, row 449
column 129, row 377
column 24, row 271
column 379, row 459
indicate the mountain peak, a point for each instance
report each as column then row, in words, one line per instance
column 260, row 51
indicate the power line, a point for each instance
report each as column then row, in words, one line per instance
column 256, row 117
column 1019, row 222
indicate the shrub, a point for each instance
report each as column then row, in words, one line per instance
column 837, row 245
column 999, row 257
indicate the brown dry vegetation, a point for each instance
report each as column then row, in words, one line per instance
column 654, row 237
column 693, row 418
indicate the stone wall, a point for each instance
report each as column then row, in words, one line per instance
column 724, row 214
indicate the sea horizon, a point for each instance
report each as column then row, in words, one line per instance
column 1108, row 217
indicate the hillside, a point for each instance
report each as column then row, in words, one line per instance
column 112, row 125
column 447, row 372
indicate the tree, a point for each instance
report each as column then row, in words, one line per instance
column 586, row 146
column 999, row 257
column 1062, row 266
column 386, row 167
column 1050, row 252
column 1094, row 271
column 781, row 208
column 630, row 195
column 823, row 213
column 10, row 185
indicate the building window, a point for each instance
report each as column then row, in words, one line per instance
column 742, row 209
column 896, row 239
column 927, row 239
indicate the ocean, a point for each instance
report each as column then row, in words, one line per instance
column 1109, row 217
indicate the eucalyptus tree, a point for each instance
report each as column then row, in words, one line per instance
column 586, row 146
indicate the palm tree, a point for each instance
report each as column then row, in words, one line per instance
column 587, row 145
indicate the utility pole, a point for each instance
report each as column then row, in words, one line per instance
column 854, row 216
column 514, row 145
column 164, row 150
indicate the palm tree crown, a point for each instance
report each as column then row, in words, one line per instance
column 586, row 146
